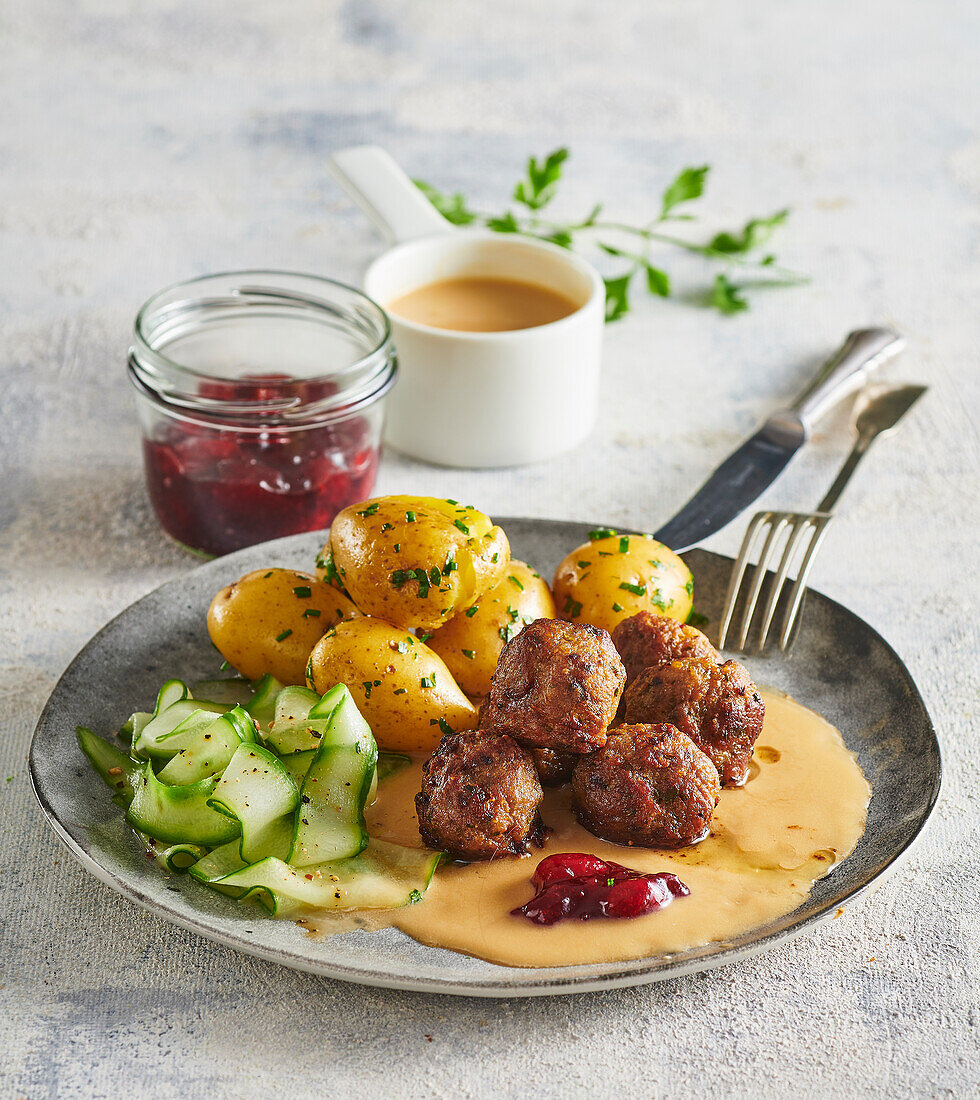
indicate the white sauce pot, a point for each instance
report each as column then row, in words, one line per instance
column 476, row 398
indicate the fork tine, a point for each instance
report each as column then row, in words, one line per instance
column 820, row 524
column 759, row 520
column 780, row 520
column 801, row 526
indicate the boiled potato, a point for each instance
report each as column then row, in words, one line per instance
column 470, row 643
column 405, row 692
column 614, row 576
column 270, row 620
column 414, row 561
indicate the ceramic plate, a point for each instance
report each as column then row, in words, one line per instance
column 839, row 667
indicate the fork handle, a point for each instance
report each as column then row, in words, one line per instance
column 862, row 351
column 859, row 450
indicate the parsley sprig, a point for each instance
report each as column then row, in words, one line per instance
column 740, row 250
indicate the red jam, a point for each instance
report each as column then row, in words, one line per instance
column 576, row 886
column 219, row 488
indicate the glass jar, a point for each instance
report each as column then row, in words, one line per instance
column 261, row 400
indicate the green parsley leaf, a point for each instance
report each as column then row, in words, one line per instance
column 506, row 223
column 726, row 296
column 636, row 589
column 452, row 207
column 617, row 297
column 754, row 234
column 696, row 619
column 538, row 189
column 658, row 282
column 686, row 186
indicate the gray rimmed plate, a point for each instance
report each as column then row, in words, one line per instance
column 838, row 666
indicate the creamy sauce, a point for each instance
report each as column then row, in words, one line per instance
column 483, row 305
column 802, row 810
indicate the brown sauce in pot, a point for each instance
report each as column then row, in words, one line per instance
column 802, row 810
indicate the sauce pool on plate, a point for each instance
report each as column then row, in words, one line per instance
column 802, row 810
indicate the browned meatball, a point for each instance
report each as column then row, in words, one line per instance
column 717, row 706
column 649, row 641
column 480, row 797
column 650, row 786
column 554, row 766
column 557, row 685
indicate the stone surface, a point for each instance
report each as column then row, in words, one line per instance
column 146, row 143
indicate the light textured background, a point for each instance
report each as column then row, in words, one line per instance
column 143, row 143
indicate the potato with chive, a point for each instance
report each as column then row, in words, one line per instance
column 404, row 690
column 270, row 619
column 471, row 641
column 414, row 561
column 614, row 576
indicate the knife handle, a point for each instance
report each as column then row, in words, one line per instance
column 862, row 351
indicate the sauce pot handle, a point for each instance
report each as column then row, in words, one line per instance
column 398, row 209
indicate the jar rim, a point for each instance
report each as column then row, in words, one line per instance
column 261, row 292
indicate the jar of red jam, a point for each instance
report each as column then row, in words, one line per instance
column 261, row 401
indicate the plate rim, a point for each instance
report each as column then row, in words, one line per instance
column 631, row 973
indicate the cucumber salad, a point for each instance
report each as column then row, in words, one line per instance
column 258, row 791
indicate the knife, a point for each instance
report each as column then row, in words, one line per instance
column 750, row 470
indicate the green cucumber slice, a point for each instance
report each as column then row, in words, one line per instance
column 298, row 764
column 330, row 821
column 218, row 863
column 258, row 792
column 211, row 749
column 297, row 736
column 232, row 692
column 111, row 764
column 178, row 814
column 384, row 876
column 293, row 704
column 263, row 704
column 171, row 692
column 175, row 727
column 176, row 858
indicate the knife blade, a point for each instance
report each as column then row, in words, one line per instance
column 755, row 465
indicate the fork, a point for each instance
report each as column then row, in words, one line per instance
column 877, row 412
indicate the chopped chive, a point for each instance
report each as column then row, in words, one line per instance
column 283, row 636
column 470, row 612
column 224, row 666
column 424, row 637
column 469, row 653
column 398, row 547
column 367, row 685
column 617, row 607
column 624, row 544
column 450, row 501
column 303, row 591
column 409, row 517
column 583, row 564
column 400, row 691
column 517, row 582
column 370, row 510
column 387, row 527
column 494, row 558
column 314, row 613
column 268, row 575
column 461, row 525
column 428, row 681
column 601, row 533
column 636, row 589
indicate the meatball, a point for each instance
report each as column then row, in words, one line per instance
column 650, row 786
column 556, row 686
column 554, row 766
column 717, row 706
column 649, row 641
column 480, row 797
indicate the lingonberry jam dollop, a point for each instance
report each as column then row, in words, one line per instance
column 217, row 488
column 260, row 396
column 577, row 886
